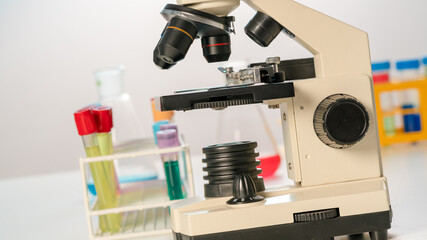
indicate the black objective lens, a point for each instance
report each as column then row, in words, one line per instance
column 216, row 48
column 177, row 38
column 262, row 29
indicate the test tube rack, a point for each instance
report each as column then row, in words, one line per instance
column 421, row 86
column 143, row 216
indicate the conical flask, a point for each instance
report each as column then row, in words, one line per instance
column 248, row 123
column 127, row 125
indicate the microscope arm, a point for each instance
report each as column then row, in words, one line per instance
column 338, row 48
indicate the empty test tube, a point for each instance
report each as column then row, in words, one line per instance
column 168, row 139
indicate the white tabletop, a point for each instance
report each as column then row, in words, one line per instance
column 51, row 206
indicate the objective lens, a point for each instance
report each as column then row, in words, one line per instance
column 177, row 38
column 262, row 29
column 216, row 48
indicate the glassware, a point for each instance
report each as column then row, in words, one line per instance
column 248, row 123
column 86, row 126
column 129, row 130
column 168, row 139
column 104, row 120
column 128, row 126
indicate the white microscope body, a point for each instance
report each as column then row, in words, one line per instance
column 328, row 174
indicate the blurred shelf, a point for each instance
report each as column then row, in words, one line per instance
column 421, row 86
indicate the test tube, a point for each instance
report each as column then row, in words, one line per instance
column 174, row 126
column 156, row 128
column 169, row 126
column 104, row 121
column 86, row 127
column 168, row 139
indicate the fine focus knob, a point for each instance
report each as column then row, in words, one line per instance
column 316, row 215
column 340, row 121
column 244, row 190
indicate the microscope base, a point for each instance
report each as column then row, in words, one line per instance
column 300, row 213
column 374, row 223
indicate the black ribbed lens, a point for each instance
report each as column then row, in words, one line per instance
column 216, row 48
column 262, row 29
column 177, row 38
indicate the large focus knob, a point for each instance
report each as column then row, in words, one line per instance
column 340, row 121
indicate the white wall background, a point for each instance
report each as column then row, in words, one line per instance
column 49, row 49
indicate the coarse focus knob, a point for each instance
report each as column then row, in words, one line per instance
column 340, row 121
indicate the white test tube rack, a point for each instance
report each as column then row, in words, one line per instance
column 142, row 216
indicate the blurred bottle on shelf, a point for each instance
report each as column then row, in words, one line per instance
column 381, row 74
column 127, row 125
column 248, row 122
column 409, row 70
column 425, row 66
column 387, row 108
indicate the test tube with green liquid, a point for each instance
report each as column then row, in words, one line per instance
column 86, row 127
column 168, row 139
column 174, row 126
column 104, row 121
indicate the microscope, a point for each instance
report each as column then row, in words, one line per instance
column 328, row 119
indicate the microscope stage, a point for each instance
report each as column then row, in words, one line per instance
column 222, row 97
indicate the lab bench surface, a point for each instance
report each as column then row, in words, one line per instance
column 51, row 206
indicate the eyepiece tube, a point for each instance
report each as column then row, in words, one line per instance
column 176, row 39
